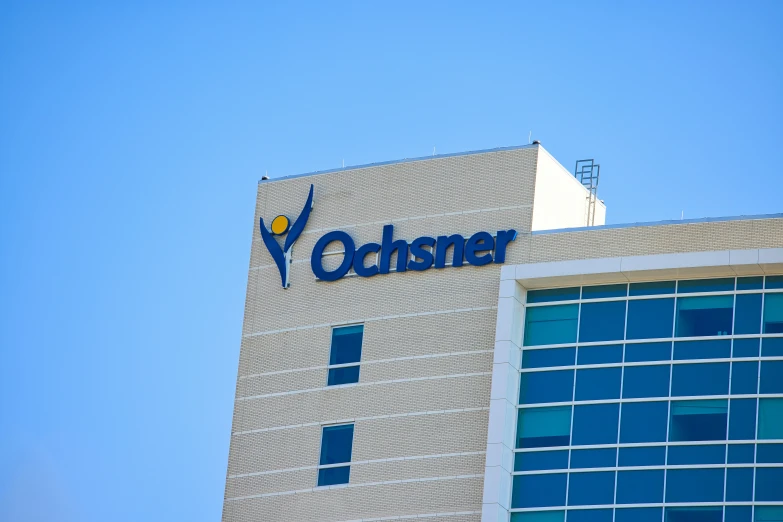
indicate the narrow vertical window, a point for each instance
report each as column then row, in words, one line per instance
column 345, row 355
column 336, row 448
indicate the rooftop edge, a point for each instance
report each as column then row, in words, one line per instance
column 660, row 223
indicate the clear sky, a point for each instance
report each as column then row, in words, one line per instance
column 132, row 136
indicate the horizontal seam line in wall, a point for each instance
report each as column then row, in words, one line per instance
column 361, row 462
column 413, row 218
column 380, row 318
column 346, row 486
column 354, row 419
column 364, row 363
column 419, row 516
column 361, row 384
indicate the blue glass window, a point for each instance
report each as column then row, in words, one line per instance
column 746, row 348
column 705, row 285
column 603, row 291
column 343, row 375
column 769, row 454
column 638, row 515
column 598, row 383
column 739, row 484
column 590, row 515
column 648, row 352
column 773, row 313
column 653, row 288
column 747, row 317
column 332, row 476
column 644, row 422
column 742, row 424
column 694, row 514
column 770, row 419
column 769, row 513
column 772, row 347
column 591, row 489
column 640, row 487
column 774, row 282
column 741, row 453
column 708, row 454
column 540, row 387
column 750, row 283
column 702, row 316
column 604, row 354
column 336, row 444
column 771, row 377
column 700, row 379
column 646, row 381
column 650, row 318
column 544, row 427
column 739, row 514
column 698, row 420
column 744, row 377
column 540, row 460
column 694, row 485
column 643, row 456
column 548, row 357
column 539, row 516
column 538, row 490
column 715, row 349
column 604, row 321
column 346, row 344
column 553, row 294
column 595, row 424
column 593, row 458
column 768, row 484
column 551, row 324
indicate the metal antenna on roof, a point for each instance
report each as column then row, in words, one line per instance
column 343, row 162
column 433, row 150
column 529, row 137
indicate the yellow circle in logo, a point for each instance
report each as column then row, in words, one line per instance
column 280, row 225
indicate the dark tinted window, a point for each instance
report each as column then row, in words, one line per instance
column 544, row 427
column 739, row 484
column 650, row 318
column 694, row 485
column 593, row 458
column 598, row 383
column 644, row 422
column 553, row 294
column 708, row 454
column 336, row 444
column 700, row 379
column 704, row 316
column 715, row 349
column 694, row 514
column 604, row 321
column 538, row 490
column 768, row 481
column 643, row 456
column 772, row 347
column 638, row 514
column 343, row 375
column 653, row 288
column 750, row 283
column 746, row 348
column 332, row 476
column 698, row 420
column 648, row 352
column 548, row 357
column 540, row 460
column 595, row 424
column 591, row 489
column 741, row 453
column 604, row 354
column 640, row 487
column 747, row 317
column 771, row 377
column 603, row 291
column 705, row 285
column 646, row 381
column 744, row 377
column 539, row 387
column 551, row 324
column 346, row 344
column 742, row 425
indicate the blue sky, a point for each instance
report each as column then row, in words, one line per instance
column 132, row 137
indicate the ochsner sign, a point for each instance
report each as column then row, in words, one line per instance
column 372, row 259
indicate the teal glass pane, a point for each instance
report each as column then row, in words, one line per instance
column 642, row 456
column 604, row 321
column 540, row 460
column 772, row 347
column 650, row 318
column 741, row 453
column 770, row 454
column 333, row 476
column 698, row 420
column 551, row 295
column 640, row 487
column 769, row 514
column 541, row 387
column 693, row 514
column 747, row 317
column 346, row 344
column 548, row 357
column 703, row 316
column 644, row 422
column 551, row 325
column 739, row 484
column 744, row 377
column 646, row 381
column 742, row 419
column 773, row 313
column 714, row 349
column 603, row 354
column 598, row 383
column 591, row 489
column 770, row 419
column 771, row 377
column 750, row 283
column 707, row 454
column 700, row 379
column 774, row 282
column 769, row 485
column 590, row 515
column 539, row 516
column 695, row 485
column 593, row 458
column 604, row 291
column 336, row 444
column 653, row 288
column 739, row 514
column 529, row 491
column 595, row 424
column 746, row 348
column 705, row 285
column 343, row 375
column 639, row 514
column 642, row 352
column 544, row 427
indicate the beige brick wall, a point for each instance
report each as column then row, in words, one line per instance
column 427, row 350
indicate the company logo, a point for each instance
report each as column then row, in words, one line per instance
column 280, row 226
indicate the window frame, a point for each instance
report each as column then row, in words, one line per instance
column 330, row 366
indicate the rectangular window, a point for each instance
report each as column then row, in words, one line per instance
column 650, row 318
column 336, row 448
column 769, row 514
column 644, row 422
column 544, row 427
column 772, row 347
column 591, row 489
column 540, row 387
column 750, row 283
column 746, row 348
column 598, row 383
column 700, row 379
column 741, row 453
column 695, row 485
column 739, row 514
column 646, row 381
column 639, row 514
column 773, row 313
column 742, row 421
column 771, row 377
column 604, row 291
column 604, row 354
column 705, row 285
column 739, row 484
column 346, row 349
column 770, row 419
column 640, row 487
column 770, row 454
column 539, row 516
column 589, row 515
column 553, row 294
column 747, row 317
column 530, row 491
column 648, row 352
column 593, row 458
column 653, row 288
column 595, row 424
column 698, row 420
column 604, row 321
column 643, row 456
column 540, row 460
column 774, row 282
column 768, row 481
column 716, row 349
column 551, row 324
column 694, row 514
column 707, row 454
column 704, row 316
column 548, row 357
column 744, row 377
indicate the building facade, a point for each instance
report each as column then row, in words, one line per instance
column 444, row 339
